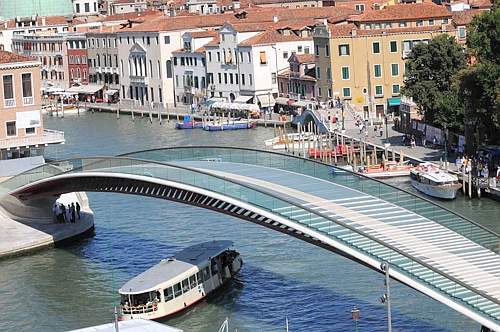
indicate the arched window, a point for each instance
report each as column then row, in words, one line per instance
column 169, row 69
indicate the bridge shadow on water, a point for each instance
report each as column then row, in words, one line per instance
column 257, row 299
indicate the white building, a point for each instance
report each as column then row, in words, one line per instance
column 128, row 6
column 263, row 56
column 190, row 71
column 85, row 7
column 223, row 63
column 30, row 26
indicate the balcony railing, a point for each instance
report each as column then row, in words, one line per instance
column 9, row 102
column 48, row 137
column 139, row 80
column 28, row 101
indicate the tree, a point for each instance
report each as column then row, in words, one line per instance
column 479, row 85
column 429, row 81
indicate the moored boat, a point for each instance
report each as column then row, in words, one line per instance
column 189, row 125
column 431, row 180
column 176, row 283
column 386, row 169
column 229, row 125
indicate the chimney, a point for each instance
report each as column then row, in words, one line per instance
column 43, row 21
column 275, row 19
column 354, row 32
column 325, row 22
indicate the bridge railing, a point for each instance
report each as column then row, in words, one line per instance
column 286, row 208
column 459, row 224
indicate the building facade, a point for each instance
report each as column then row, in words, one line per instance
column 298, row 82
column 103, row 61
column 128, row 6
column 21, row 124
column 365, row 60
column 78, row 71
column 85, row 7
column 29, row 26
column 51, row 50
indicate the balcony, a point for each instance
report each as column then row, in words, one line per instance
column 27, row 101
column 9, row 102
column 140, row 80
column 48, row 137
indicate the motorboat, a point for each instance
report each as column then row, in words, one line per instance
column 229, row 125
column 188, row 123
column 179, row 282
column 431, row 180
column 387, row 169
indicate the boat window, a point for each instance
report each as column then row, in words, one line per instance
column 185, row 285
column 198, row 277
column 215, row 268
column 206, row 274
column 168, row 293
column 140, row 299
column 192, row 281
column 177, row 289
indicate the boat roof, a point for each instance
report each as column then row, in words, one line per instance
column 170, row 268
column 133, row 325
column 435, row 174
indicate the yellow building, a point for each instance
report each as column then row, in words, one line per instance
column 365, row 62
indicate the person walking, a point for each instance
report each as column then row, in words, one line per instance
column 73, row 213
column 375, row 129
column 381, row 130
column 412, row 142
column 77, row 205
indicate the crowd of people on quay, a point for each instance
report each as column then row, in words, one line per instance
column 477, row 165
column 66, row 214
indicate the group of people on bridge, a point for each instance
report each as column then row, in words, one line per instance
column 66, row 214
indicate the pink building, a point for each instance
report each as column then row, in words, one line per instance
column 299, row 80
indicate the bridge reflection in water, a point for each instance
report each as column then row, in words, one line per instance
column 429, row 248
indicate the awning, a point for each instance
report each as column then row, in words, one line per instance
column 266, row 100
column 110, row 92
column 242, row 99
column 396, row 101
column 85, row 89
column 235, row 106
column 282, row 101
column 301, row 103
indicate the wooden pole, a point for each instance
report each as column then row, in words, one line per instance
column 470, row 184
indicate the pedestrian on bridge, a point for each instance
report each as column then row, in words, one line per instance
column 77, row 205
column 73, row 213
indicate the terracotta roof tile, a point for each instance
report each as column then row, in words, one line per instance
column 346, row 30
column 253, row 16
column 306, row 58
column 49, row 20
column 9, row 57
column 465, row 17
column 404, row 12
column 131, row 16
column 271, row 37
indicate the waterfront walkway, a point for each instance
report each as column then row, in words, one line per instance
column 429, row 248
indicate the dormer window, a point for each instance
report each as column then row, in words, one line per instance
column 187, row 46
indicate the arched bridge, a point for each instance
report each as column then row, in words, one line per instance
column 431, row 249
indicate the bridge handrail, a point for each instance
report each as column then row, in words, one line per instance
column 357, row 176
column 275, row 197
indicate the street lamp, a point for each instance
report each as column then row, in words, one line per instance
column 386, row 298
column 355, row 313
column 343, row 127
column 386, row 131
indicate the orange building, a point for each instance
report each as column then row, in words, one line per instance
column 21, row 125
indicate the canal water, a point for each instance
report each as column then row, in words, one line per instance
column 76, row 285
